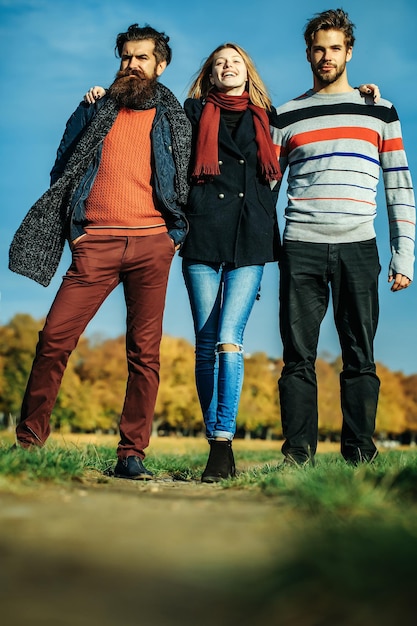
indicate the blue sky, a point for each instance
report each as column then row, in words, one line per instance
column 53, row 50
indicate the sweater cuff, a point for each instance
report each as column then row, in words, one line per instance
column 402, row 264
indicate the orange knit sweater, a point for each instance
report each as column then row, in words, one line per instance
column 121, row 199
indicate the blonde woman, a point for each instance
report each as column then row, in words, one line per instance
column 233, row 232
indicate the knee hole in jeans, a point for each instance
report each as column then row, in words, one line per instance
column 228, row 347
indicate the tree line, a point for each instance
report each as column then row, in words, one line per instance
column 93, row 388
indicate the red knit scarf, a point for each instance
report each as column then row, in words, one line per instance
column 207, row 157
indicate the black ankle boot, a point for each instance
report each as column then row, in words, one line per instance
column 221, row 462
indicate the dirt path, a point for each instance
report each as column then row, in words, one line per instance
column 110, row 552
column 122, row 552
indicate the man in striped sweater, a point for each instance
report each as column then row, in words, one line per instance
column 335, row 142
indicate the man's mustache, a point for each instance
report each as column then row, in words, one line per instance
column 323, row 63
column 130, row 72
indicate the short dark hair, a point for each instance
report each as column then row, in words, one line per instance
column 336, row 19
column 135, row 32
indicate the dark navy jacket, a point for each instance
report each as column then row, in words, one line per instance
column 232, row 218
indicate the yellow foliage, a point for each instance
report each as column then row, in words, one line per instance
column 93, row 387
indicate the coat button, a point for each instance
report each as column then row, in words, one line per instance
column 220, row 162
column 221, row 196
column 241, row 161
column 241, row 195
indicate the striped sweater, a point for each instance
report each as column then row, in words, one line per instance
column 335, row 146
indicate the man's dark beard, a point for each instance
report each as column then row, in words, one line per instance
column 132, row 88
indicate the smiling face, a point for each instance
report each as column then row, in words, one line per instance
column 228, row 72
column 328, row 56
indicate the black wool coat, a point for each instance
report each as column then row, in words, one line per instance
column 232, row 218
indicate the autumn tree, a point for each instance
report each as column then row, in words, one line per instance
column 392, row 404
column 409, row 390
column 177, row 403
column 18, row 340
column 93, row 387
column 258, row 408
column 328, row 398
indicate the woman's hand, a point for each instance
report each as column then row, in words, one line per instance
column 370, row 88
column 93, row 94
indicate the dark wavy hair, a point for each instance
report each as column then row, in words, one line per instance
column 333, row 19
column 135, row 32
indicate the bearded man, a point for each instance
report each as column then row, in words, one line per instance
column 117, row 193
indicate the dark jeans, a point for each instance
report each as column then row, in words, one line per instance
column 306, row 272
column 99, row 264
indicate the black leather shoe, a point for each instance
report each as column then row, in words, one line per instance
column 133, row 468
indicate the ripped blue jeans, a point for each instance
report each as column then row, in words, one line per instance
column 221, row 299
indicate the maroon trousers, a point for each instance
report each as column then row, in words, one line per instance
column 99, row 264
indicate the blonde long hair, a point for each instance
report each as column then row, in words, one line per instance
column 258, row 93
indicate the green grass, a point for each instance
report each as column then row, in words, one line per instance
column 330, row 485
column 53, row 464
column 331, row 489
column 358, row 573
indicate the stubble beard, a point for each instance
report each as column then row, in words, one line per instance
column 131, row 89
column 328, row 78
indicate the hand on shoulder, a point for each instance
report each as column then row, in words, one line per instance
column 93, row 94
